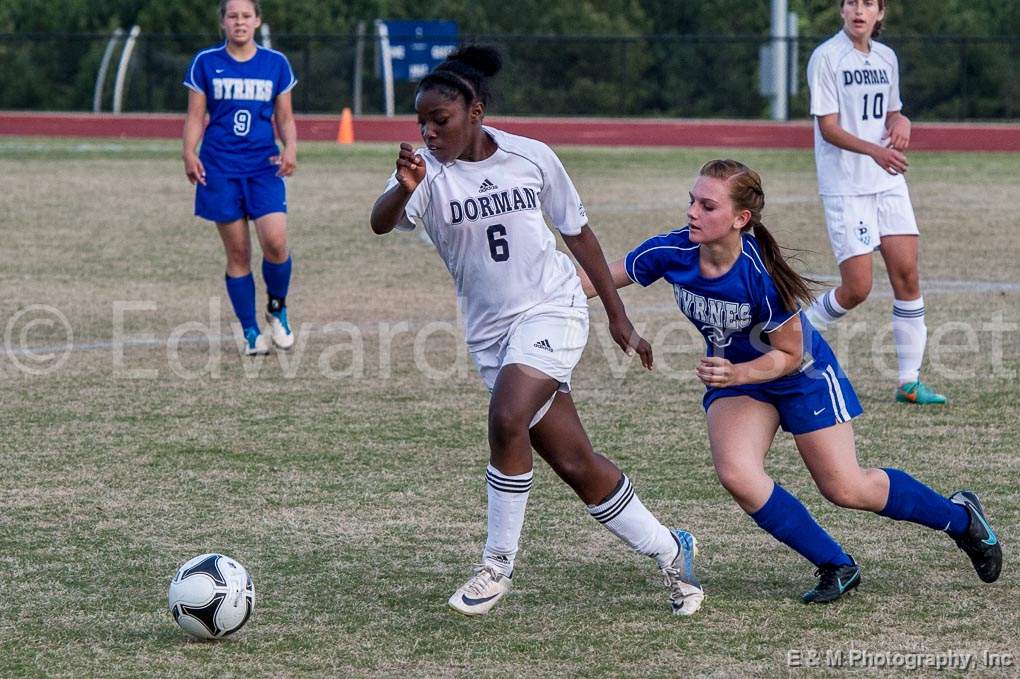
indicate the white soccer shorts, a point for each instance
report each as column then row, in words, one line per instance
column 857, row 224
column 549, row 338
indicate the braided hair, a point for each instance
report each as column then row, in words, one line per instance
column 465, row 73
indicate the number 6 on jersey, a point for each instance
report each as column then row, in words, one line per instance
column 499, row 248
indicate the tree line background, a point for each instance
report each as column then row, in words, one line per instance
column 687, row 58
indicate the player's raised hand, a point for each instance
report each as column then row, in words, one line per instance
column 194, row 169
column 890, row 160
column 628, row 339
column 717, row 372
column 410, row 167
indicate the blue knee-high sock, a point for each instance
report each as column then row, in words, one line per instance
column 789, row 521
column 911, row 500
column 277, row 278
column 242, row 296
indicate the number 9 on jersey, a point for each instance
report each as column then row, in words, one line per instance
column 242, row 122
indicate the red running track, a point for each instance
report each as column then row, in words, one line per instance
column 586, row 131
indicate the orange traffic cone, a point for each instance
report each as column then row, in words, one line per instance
column 345, row 135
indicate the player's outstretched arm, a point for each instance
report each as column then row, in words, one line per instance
column 586, row 249
column 389, row 207
column 618, row 272
column 194, row 126
column 887, row 157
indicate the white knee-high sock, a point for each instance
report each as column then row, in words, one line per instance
column 911, row 335
column 508, row 498
column 626, row 518
column 825, row 310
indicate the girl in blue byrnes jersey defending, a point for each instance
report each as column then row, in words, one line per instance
column 240, row 172
column 766, row 368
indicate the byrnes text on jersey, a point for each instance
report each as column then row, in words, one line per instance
column 245, row 89
column 720, row 313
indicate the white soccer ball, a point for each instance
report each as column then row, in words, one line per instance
column 211, row 596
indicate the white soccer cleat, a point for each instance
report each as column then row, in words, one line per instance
column 280, row 328
column 481, row 592
column 685, row 592
column 255, row 343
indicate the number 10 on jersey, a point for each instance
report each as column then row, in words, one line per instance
column 877, row 106
column 499, row 248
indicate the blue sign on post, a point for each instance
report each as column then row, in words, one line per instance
column 416, row 47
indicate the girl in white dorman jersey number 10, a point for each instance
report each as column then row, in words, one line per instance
column 483, row 196
column 861, row 137
column 239, row 173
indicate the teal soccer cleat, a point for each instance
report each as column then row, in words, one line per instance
column 919, row 393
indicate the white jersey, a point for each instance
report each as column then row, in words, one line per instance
column 486, row 221
column 862, row 89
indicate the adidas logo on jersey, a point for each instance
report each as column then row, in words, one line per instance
column 487, row 186
column 544, row 344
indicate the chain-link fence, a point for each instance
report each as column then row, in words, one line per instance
column 942, row 77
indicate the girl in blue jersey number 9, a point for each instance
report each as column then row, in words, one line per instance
column 768, row 368
column 240, row 172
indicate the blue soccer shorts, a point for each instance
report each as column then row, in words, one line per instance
column 227, row 199
column 818, row 397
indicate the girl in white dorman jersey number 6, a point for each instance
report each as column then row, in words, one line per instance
column 481, row 195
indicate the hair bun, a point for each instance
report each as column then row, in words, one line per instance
column 484, row 59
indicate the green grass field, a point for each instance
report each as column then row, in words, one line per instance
column 348, row 475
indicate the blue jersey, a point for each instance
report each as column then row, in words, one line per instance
column 734, row 312
column 240, row 97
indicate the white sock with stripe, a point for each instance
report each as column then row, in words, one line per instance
column 508, row 498
column 626, row 518
column 825, row 310
column 911, row 335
